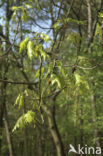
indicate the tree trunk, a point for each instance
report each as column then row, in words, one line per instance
column 54, row 130
column 89, row 18
column 97, row 143
column 6, row 66
column 8, row 132
column 75, row 121
column 81, row 126
column 25, row 134
column 1, row 120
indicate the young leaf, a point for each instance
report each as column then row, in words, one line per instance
column 45, row 37
column 44, row 55
column 30, row 51
column 57, row 79
column 14, row 16
column 14, row 8
column 21, row 102
column 97, row 29
column 25, row 16
column 29, row 116
column 78, row 79
column 23, row 45
column 24, row 119
column 17, row 100
column 28, row 6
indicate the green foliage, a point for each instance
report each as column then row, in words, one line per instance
column 70, row 20
column 40, row 53
column 14, row 16
column 38, row 72
column 30, row 50
column 98, row 31
column 28, row 6
column 71, row 65
column 44, row 37
column 81, row 82
column 23, row 45
column 58, row 24
column 25, row 16
column 25, row 119
column 19, row 101
column 57, row 79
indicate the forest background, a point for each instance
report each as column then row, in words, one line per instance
column 51, row 76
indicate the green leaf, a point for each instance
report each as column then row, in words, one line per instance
column 25, row 16
column 30, row 51
column 20, row 123
column 57, row 79
column 17, row 100
column 29, row 116
column 38, row 72
column 81, row 82
column 21, row 102
column 23, row 45
column 57, row 25
column 97, row 29
column 14, row 16
column 28, row 6
column 14, row 8
column 44, row 55
column 45, row 37
column 78, row 79
column 24, row 120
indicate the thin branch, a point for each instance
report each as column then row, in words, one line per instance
column 85, row 68
column 39, row 24
column 18, row 82
column 40, row 94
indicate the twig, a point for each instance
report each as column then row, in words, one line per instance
column 18, row 82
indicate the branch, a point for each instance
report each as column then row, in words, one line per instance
column 85, row 68
column 18, row 82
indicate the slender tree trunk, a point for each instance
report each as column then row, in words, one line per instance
column 55, row 135
column 25, row 143
column 97, row 143
column 25, row 134
column 8, row 132
column 1, row 120
column 6, row 123
column 6, row 66
column 81, row 126
column 89, row 18
column 54, row 130
column 75, row 121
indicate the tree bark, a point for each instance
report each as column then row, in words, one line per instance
column 8, row 132
column 54, row 130
column 1, row 120
column 89, row 18
column 6, row 66
column 97, row 143
column 25, row 134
